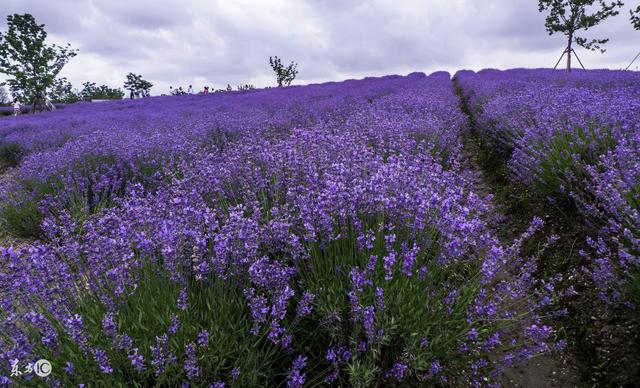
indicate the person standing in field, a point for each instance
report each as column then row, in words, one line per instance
column 49, row 105
column 16, row 107
column 206, row 90
column 190, row 89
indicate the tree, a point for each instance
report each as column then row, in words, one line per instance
column 90, row 91
column 103, row 92
column 571, row 16
column 635, row 18
column 145, row 86
column 63, row 92
column 284, row 75
column 135, row 84
column 4, row 96
column 31, row 64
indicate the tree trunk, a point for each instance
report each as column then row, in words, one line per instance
column 569, row 53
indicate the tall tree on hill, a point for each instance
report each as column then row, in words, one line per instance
column 571, row 16
column 135, row 83
column 284, row 75
column 31, row 64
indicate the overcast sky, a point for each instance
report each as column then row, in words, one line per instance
column 215, row 42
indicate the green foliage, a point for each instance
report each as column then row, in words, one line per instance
column 10, row 155
column 284, row 75
column 21, row 220
column 135, row 83
column 21, row 215
column 635, row 18
column 63, row 92
column 146, row 313
column 90, row 91
column 408, row 317
column 566, row 156
column 570, row 16
column 633, row 288
column 30, row 63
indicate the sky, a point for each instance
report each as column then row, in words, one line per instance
column 220, row 42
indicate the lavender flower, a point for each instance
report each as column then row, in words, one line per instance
column 191, row 363
column 175, row 325
column 203, row 339
column 296, row 378
column 137, row 360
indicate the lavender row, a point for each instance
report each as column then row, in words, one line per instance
column 575, row 138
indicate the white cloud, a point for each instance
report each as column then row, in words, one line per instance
column 216, row 42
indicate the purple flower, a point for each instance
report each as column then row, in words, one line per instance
column 101, row 358
column 191, row 363
column 124, row 342
column 175, row 325
column 69, row 368
column 235, row 373
column 399, row 371
column 137, row 360
column 109, row 326
column 296, row 378
column 161, row 354
column 182, row 300
column 305, row 306
column 203, row 338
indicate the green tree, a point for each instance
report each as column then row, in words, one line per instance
column 571, row 16
column 31, row 64
column 635, row 18
column 104, row 92
column 135, row 83
column 90, row 91
column 145, row 85
column 284, row 75
column 4, row 96
column 63, row 92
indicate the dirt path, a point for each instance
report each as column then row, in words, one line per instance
column 552, row 370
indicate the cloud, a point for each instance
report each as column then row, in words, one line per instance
column 216, row 42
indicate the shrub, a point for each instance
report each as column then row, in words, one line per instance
column 10, row 155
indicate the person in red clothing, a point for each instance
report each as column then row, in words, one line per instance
column 206, row 90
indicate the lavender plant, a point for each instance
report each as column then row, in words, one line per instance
column 300, row 236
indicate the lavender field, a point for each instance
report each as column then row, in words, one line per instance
column 341, row 234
